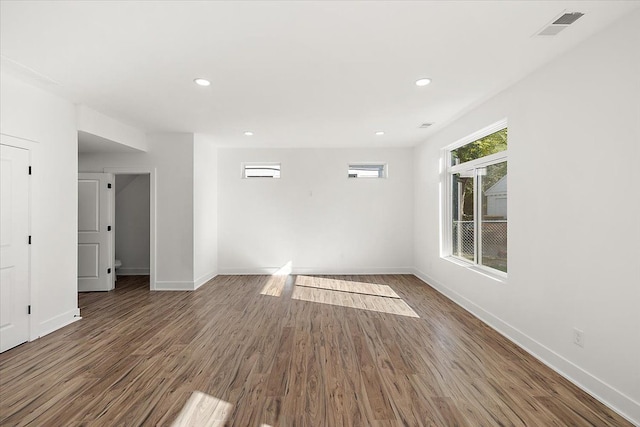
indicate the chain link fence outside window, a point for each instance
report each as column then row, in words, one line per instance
column 494, row 242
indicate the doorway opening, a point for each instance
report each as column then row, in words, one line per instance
column 123, row 175
column 132, row 225
column 125, row 230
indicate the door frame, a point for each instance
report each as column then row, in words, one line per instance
column 30, row 146
column 151, row 171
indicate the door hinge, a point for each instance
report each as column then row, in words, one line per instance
column 29, row 239
column 109, row 185
column 28, row 309
column 108, row 270
column 29, row 170
column 108, row 228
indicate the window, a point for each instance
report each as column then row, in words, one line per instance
column 476, row 225
column 261, row 170
column 367, row 170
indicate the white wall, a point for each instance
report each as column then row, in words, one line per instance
column 314, row 216
column 171, row 156
column 96, row 123
column 205, row 210
column 574, row 138
column 132, row 223
column 33, row 114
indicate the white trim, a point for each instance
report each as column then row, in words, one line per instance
column 245, row 164
column 153, row 211
column 184, row 286
column 492, row 273
column 174, row 286
column 458, row 261
column 603, row 392
column 352, row 270
column 486, row 131
column 317, row 270
column 489, row 160
column 477, row 218
column 59, row 321
column 132, row 271
column 20, row 140
column 248, row 271
column 385, row 169
column 446, row 208
column 204, row 279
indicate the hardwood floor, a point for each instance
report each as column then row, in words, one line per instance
column 284, row 351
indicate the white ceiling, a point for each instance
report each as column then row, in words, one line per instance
column 297, row 74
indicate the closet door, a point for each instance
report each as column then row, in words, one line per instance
column 14, row 247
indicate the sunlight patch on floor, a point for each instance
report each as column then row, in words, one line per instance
column 203, row 410
column 275, row 284
column 350, row 299
column 347, row 286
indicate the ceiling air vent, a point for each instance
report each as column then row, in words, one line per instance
column 560, row 23
column 425, row 125
column 568, row 18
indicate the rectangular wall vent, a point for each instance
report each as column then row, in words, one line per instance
column 568, row 18
column 559, row 23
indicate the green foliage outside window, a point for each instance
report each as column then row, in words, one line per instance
column 490, row 144
column 480, row 237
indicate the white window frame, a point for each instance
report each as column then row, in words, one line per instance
column 447, row 178
column 243, row 168
column 385, row 169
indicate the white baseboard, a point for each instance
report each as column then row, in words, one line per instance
column 609, row 396
column 184, row 286
column 247, row 271
column 353, row 271
column 59, row 321
column 174, row 286
column 122, row 271
column 317, row 270
column 204, row 279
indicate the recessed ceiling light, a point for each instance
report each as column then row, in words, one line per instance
column 423, row 82
column 201, row 82
column 380, row 132
column 248, row 133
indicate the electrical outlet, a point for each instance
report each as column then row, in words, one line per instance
column 578, row 337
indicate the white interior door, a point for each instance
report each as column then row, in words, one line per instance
column 95, row 232
column 14, row 247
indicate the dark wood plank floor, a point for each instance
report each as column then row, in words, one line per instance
column 284, row 351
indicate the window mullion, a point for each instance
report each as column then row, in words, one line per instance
column 476, row 223
column 483, row 161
